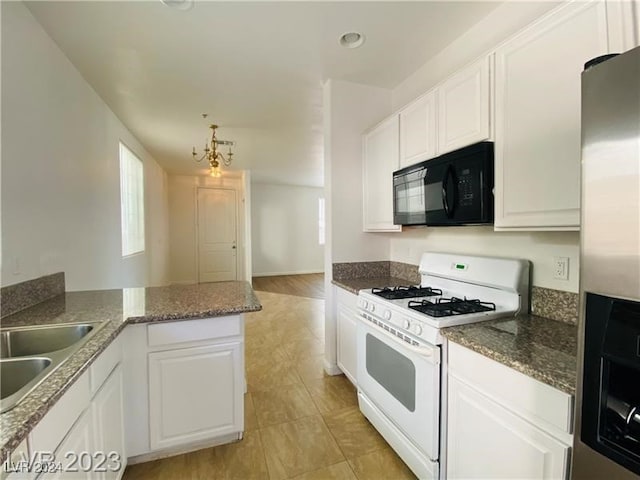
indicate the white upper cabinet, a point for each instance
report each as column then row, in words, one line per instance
column 537, row 150
column 418, row 130
column 381, row 154
column 464, row 107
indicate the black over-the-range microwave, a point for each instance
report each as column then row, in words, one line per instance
column 453, row 189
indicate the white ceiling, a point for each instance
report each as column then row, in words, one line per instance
column 257, row 68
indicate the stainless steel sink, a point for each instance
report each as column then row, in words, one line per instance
column 20, row 372
column 29, row 341
column 29, row 354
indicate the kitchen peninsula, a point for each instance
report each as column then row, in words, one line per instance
column 144, row 341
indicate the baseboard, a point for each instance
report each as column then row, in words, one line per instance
column 180, row 449
column 275, row 274
column 332, row 368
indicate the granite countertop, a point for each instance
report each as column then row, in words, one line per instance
column 114, row 309
column 538, row 347
column 353, row 285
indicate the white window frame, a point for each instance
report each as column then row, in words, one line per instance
column 131, row 202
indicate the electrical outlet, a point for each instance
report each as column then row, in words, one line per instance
column 561, row 268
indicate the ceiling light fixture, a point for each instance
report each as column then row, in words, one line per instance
column 211, row 153
column 178, row 4
column 351, row 40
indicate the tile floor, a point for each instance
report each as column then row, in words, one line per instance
column 299, row 422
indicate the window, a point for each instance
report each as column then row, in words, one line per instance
column 321, row 221
column 131, row 202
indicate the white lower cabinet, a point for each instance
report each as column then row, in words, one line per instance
column 108, row 421
column 485, row 440
column 194, row 394
column 76, row 453
column 184, row 385
column 502, row 424
column 93, row 449
column 346, row 310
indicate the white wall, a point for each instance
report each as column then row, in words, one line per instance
column 182, row 224
column 349, row 109
column 284, row 225
column 538, row 247
column 60, row 171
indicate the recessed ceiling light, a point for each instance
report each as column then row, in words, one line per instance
column 351, row 40
column 178, row 4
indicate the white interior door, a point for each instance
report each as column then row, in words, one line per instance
column 217, row 235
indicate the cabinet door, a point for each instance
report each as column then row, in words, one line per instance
column 195, row 394
column 76, row 453
column 418, row 130
column 537, row 154
column 381, row 151
column 347, row 355
column 485, row 440
column 108, row 426
column 464, row 107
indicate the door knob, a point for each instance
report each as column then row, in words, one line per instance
column 234, row 247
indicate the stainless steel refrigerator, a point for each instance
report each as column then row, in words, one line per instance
column 607, row 421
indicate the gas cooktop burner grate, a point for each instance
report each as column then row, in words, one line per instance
column 395, row 293
column 446, row 307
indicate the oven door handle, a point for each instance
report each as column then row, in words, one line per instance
column 428, row 352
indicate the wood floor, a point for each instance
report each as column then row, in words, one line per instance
column 307, row 285
column 299, row 422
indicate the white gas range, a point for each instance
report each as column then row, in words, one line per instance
column 402, row 354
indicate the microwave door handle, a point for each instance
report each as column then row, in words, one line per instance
column 449, row 207
column 445, row 200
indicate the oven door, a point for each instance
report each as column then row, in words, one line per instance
column 403, row 381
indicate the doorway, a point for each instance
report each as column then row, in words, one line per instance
column 217, row 235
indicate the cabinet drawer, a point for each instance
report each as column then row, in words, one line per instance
column 535, row 401
column 104, row 364
column 48, row 434
column 193, row 330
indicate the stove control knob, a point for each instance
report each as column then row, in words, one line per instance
column 364, row 304
column 372, row 308
column 417, row 329
column 387, row 315
column 406, row 323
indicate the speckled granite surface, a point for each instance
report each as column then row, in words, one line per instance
column 381, row 269
column 344, row 271
column 555, row 304
column 115, row 309
column 14, row 298
column 538, row 347
column 405, row 270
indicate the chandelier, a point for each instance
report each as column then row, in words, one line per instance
column 211, row 153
